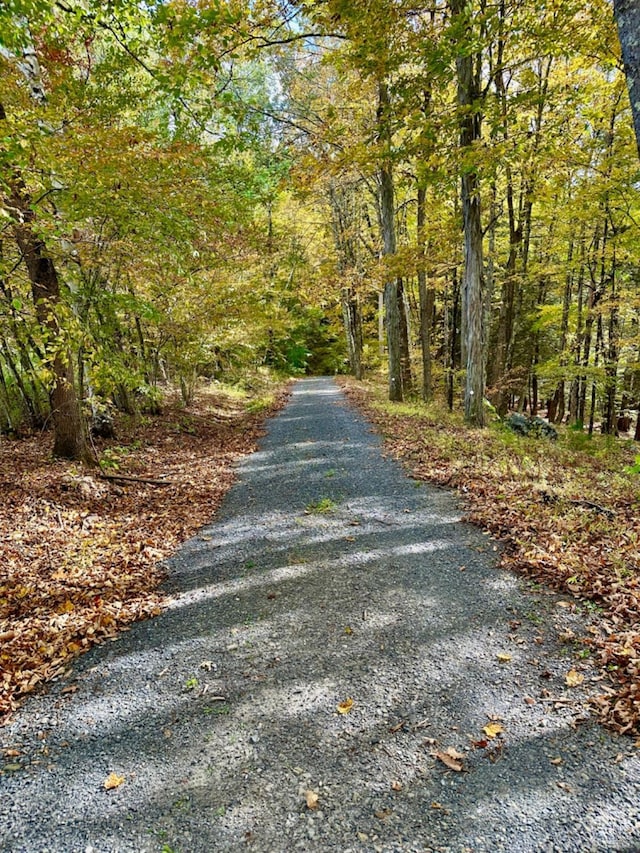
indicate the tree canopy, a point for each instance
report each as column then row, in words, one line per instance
column 445, row 191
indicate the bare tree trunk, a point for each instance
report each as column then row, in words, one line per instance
column 610, row 415
column 69, row 427
column 452, row 349
column 427, row 300
column 381, row 323
column 468, row 70
column 405, row 346
column 387, row 218
column 353, row 330
column 627, row 13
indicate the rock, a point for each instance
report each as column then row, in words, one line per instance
column 102, row 425
column 518, row 423
column 533, row 427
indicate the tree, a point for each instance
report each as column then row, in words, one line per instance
column 627, row 13
column 468, row 67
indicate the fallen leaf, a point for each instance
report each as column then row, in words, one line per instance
column 480, row 744
column 565, row 787
column 450, row 757
column 383, row 814
column 345, row 707
column 348, row 630
column 529, row 700
column 573, row 678
column 113, row 781
column 492, row 730
column 396, row 786
column 503, row 657
column 312, row 799
column 557, row 761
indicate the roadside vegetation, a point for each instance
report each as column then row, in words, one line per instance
column 567, row 513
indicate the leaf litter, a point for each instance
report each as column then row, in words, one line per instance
column 81, row 555
column 544, row 502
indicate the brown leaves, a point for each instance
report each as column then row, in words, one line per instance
column 345, row 707
column 311, row 799
column 79, row 555
column 450, row 757
column 113, row 781
column 492, row 730
column 566, row 540
column 573, row 678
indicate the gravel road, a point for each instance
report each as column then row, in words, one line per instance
column 328, row 575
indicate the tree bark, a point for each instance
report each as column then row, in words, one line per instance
column 387, row 221
column 427, row 300
column 468, row 72
column 627, row 13
column 68, row 423
column 353, row 330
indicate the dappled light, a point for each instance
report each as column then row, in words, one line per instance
column 411, row 625
column 368, row 594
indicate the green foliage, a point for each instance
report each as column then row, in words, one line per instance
column 635, row 468
column 321, row 506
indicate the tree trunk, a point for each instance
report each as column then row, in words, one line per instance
column 405, row 347
column 387, row 219
column 69, row 427
column 452, row 349
column 610, row 414
column 70, row 440
column 627, row 13
column 427, row 300
column 468, row 72
column 353, row 330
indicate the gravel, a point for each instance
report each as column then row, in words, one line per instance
column 327, row 575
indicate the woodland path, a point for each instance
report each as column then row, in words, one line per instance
column 285, row 610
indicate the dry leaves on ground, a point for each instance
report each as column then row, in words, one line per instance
column 451, row 758
column 81, row 555
column 567, row 512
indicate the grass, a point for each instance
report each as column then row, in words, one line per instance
column 321, row 507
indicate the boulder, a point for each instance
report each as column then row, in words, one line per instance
column 533, row 427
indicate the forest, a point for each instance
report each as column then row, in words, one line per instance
column 442, row 196
column 445, row 192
